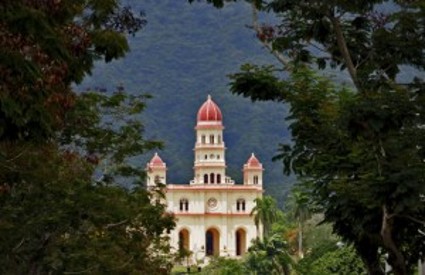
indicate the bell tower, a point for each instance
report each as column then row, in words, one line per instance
column 210, row 164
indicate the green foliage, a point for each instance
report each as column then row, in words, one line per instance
column 47, row 47
column 305, row 265
column 269, row 256
column 365, row 154
column 65, row 156
column 55, row 219
column 318, row 241
column 108, row 131
column 266, row 213
column 318, row 235
column 360, row 154
column 224, row 266
column 369, row 39
column 343, row 260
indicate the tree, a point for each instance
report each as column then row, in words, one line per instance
column 342, row 260
column 364, row 163
column 47, row 46
column 302, row 214
column 225, row 266
column 65, row 156
column 64, row 209
column 369, row 39
column 339, row 162
column 269, row 256
column 265, row 212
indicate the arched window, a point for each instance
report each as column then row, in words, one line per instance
column 206, row 157
column 203, row 139
column 157, row 179
column 184, row 205
column 218, row 178
column 219, row 139
column 240, row 205
column 212, row 139
column 212, row 178
column 218, row 156
column 255, row 179
column 206, row 178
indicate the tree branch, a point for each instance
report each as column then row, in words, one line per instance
column 111, row 225
column 412, row 219
column 396, row 257
column 86, row 271
column 280, row 57
column 342, row 45
column 18, row 245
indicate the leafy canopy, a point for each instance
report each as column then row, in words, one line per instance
column 47, row 46
column 65, row 156
column 360, row 153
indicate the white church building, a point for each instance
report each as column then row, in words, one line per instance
column 212, row 211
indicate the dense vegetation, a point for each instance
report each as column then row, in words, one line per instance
column 63, row 155
column 363, row 166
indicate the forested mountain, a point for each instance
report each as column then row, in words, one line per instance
column 183, row 54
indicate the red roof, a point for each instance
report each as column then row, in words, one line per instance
column 156, row 161
column 209, row 112
column 253, row 162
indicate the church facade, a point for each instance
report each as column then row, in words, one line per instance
column 212, row 211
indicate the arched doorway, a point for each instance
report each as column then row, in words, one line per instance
column 240, row 242
column 212, row 242
column 184, row 239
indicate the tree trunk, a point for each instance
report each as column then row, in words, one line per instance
column 368, row 252
column 421, row 267
column 300, row 240
column 395, row 257
column 342, row 45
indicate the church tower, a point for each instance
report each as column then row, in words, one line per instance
column 212, row 212
column 156, row 171
column 210, row 164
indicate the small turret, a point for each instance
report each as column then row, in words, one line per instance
column 156, row 171
column 253, row 171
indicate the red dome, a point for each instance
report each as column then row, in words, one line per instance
column 156, row 161
column 253, row 163
column 209, row 112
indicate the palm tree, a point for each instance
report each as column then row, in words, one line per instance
column 269, row 256
column 265, row 212
column 301, row 213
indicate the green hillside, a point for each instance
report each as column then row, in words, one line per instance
column 183, row 54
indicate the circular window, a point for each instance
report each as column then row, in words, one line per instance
column 212, row 156
column 212, row 203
